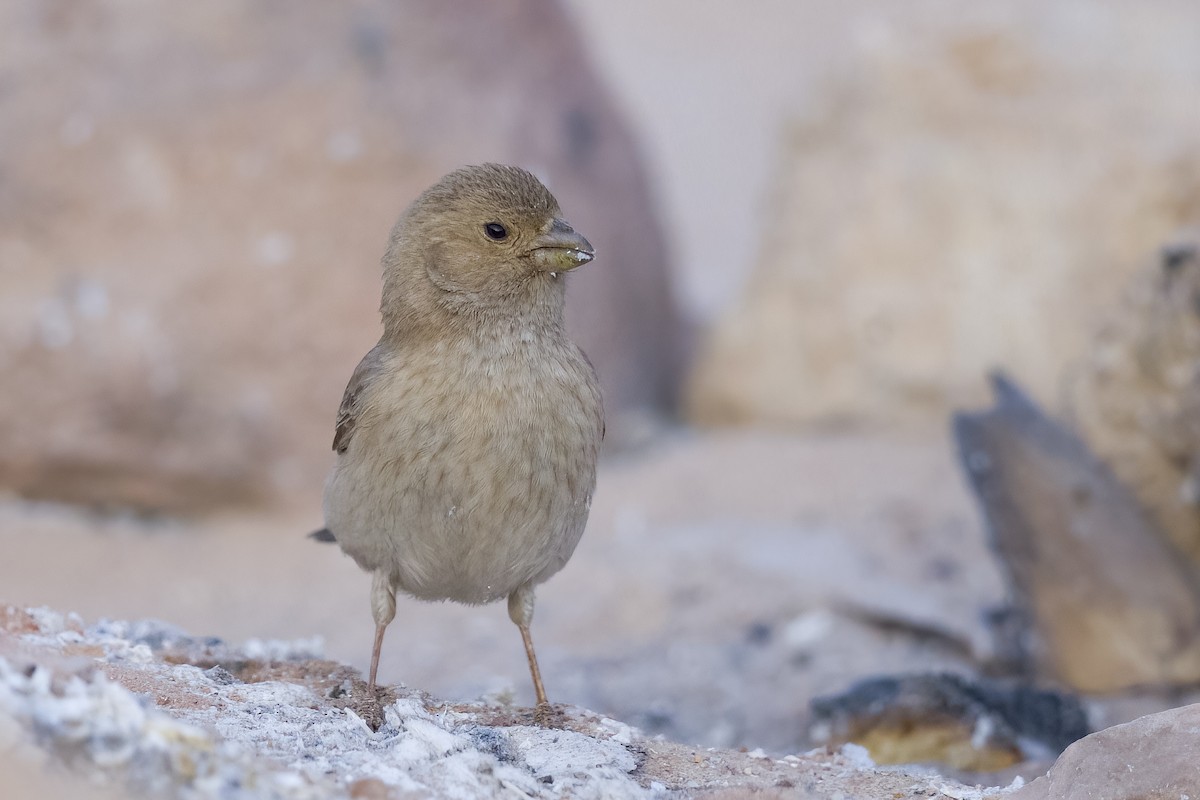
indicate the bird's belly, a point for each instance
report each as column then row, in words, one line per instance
column 464, row 513
column 475, row 557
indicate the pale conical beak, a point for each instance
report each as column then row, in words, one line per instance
column 561, row 248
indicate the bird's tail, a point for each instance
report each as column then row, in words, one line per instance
column 323, row 535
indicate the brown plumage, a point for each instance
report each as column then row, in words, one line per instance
column 467, row 438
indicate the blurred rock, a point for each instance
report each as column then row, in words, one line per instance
column 1135, row 396
column 973, row 196
column 1151, row 758
column 24, row 777
column 194, row 201
column 1107, row 604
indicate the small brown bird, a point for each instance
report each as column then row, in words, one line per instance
column 467, row 438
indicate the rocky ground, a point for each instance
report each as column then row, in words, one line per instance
column 120, row 708
column 146, row 707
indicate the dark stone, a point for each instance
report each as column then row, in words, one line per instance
column 1019, row 714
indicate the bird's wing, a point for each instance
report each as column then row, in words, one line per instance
column 596, row 380
column 351, row 407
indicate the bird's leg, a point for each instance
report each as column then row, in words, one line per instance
column 520, row 610
column 383, row 609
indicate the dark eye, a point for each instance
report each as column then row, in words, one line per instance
column 496, row 231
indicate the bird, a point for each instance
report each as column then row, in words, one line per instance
column 467, row 439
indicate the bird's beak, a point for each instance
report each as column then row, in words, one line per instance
column 560, row 248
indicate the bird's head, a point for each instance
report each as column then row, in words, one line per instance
column 483, row 236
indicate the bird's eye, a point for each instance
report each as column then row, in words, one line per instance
column 496, row 231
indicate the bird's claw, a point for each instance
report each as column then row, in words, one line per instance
column 548, row 716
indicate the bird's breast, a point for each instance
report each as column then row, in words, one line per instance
column 488, row 459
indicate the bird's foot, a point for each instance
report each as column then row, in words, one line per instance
column 368, row 702
column 548, row 716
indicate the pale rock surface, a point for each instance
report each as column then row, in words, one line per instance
column 193, row 206
column 1150, row 758
column 121, row 704
column 973, row 193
